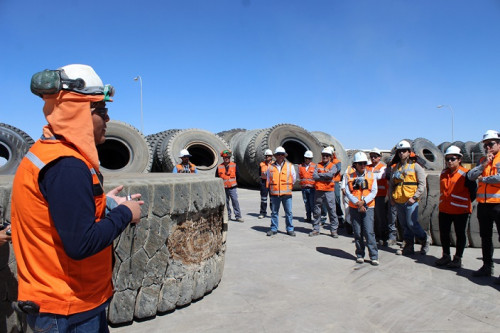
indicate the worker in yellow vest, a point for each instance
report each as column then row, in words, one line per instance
column 406, row 185
column 361, row 190
column 264, row 188
column 228, row 171
column 487, row 173
column 281, row 177
column 306, row 171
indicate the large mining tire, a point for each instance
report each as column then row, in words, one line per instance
column 428, row 151
column 467, row 152
column 14, row 144
column 443, row 146
column 204, row 146
column 125, row 150
column 228, row 135
column 477, row 152
column 161, row 149
column 155, row 140
column 326, row 139
column 240, row 142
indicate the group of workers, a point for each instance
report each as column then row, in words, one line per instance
column 63, row 224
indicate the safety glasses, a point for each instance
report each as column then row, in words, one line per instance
column 489, row 144
column 451, row 159
column 102, row 112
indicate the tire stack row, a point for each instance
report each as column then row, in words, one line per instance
column 472, row 151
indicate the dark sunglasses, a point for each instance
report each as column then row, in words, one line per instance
column 403, row 150
column 374, row 156
column 451, row 159
column 279, row 154
column 325, row 155
column 362, row 163
column 489, row 144
column 102, row 112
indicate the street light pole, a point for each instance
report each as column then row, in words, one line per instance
column 451, row 109
column 138, row 77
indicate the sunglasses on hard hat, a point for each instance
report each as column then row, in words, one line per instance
column 101, row 112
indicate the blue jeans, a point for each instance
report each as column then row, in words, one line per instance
column 287, row 206
column 408, row 217
column 362, row 226
column 51, row 323
column 231, row 193
column 308, row 197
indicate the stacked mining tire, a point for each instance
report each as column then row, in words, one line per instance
column 294, row 139
column 172, row 257
column 204, row 146
column 425, row 149
column 154, row 140
column 125, row 150
column 326, row 140
column 14, row 144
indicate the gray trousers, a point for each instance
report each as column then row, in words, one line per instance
column 329, row 198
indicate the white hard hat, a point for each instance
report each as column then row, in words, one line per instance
column 280, row 150
column 268, row 152
column 376, row 151
column 360, row 157
column 308, row 154
column 91, row 83
column 184, row 153
column 491, row 135
column 332, row 148
column 453, row 150
column 403, row 144
column 327, row 150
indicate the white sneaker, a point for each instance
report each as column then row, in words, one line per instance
column 261, row 217
column 375, row 262
column 360, row 260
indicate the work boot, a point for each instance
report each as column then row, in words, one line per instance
column 497, row 280
column 425, row 245
column 313, row 233
column 271, row 233
column 261, row 216
column 484, row 271
column 334, row 234
column 239, row 219
column 407, row 249
column 444, row 260
column 291, row 233
column 456, row 263
column 391, row 242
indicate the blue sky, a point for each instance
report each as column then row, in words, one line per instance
column 368, row 72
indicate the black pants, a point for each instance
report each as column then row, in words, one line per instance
column 487, row 214
column 445, row 222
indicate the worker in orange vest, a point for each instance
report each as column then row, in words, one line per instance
column 361, row 190
column 487, row 173
column 385, row 231
column 281, row 177
column 264, row 189
column 306, row 171
column 63, row 224
column 455, row 205
column 325, row 192
column 185, row 166
column 228, row 171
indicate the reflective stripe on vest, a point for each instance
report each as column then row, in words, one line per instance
column 306, row 175
column 454, row 195
column 75, row 285
column 381, row 183
column 489, row 193
column 263, row 170
column 228, row 174
column 181, row 168
column 281, row 182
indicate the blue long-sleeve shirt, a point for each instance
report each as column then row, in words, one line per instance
column 66, row 184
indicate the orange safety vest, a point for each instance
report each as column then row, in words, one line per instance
column 360, row 193
column 454, row 197
column 337, row 177
column 324, row 185
column 281, row 182
column 228, row 174
column 489, row 193
column 263, row 169
column 382, row 183
column 46, row 274
column 306, row 175
column 181, row 169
